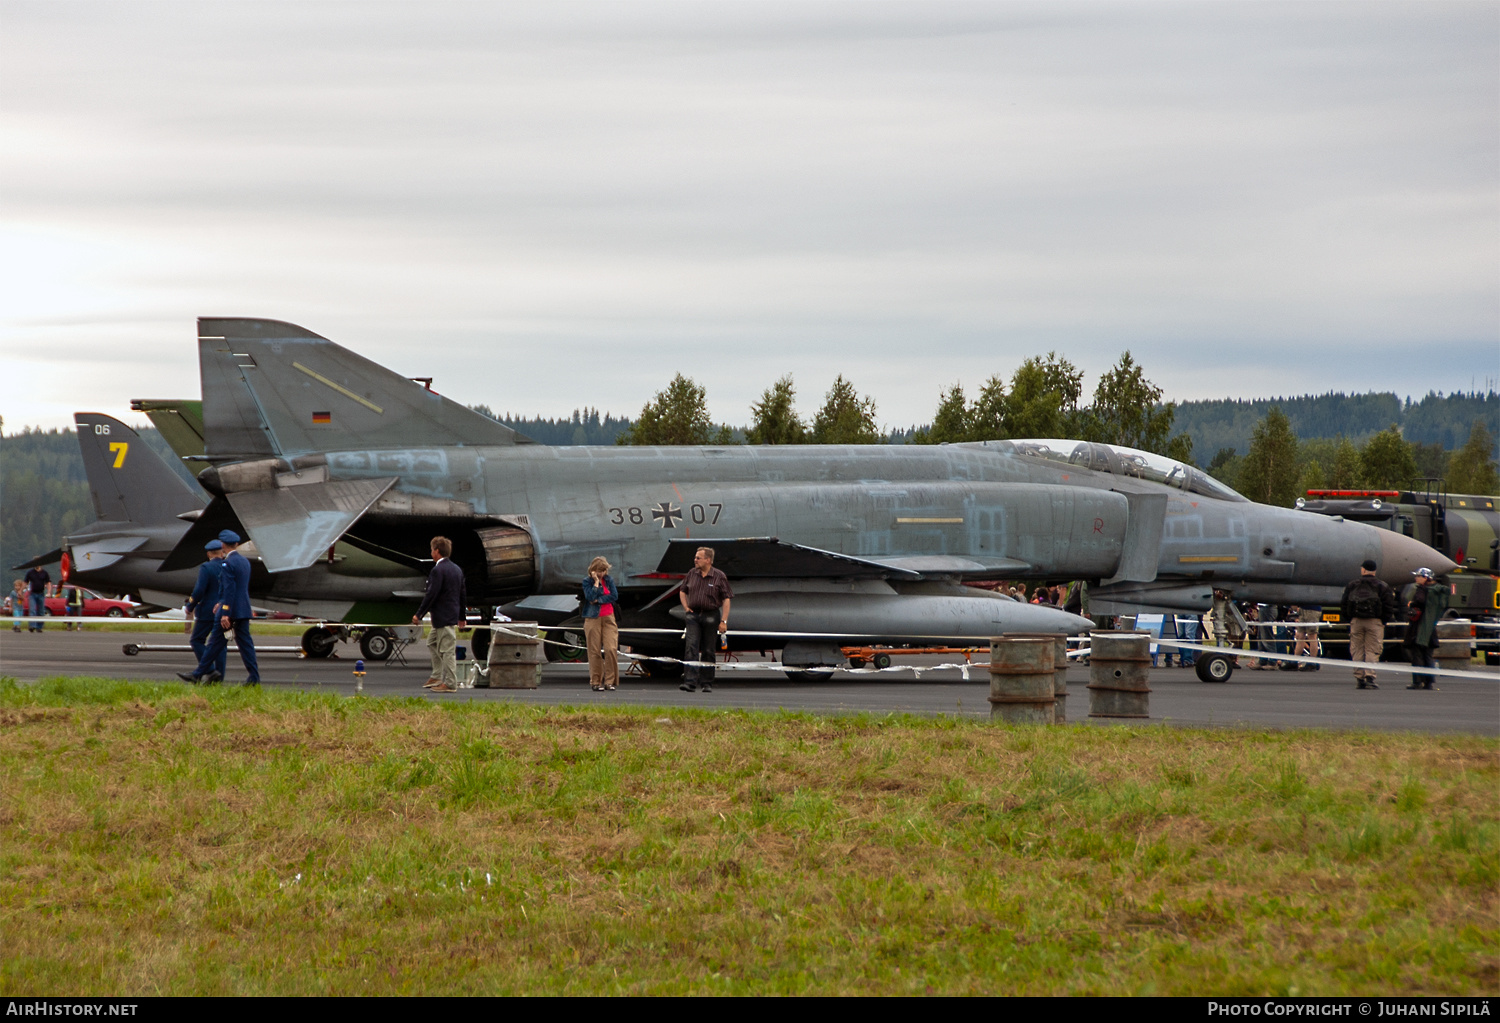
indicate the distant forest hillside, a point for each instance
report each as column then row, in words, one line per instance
column 585, row 426
column 1435, row 419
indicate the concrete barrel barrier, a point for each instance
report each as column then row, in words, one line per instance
column 515, row 660
column 1059, row 669
column 1119, row 663
column 1021, row 673
column 1453, row 643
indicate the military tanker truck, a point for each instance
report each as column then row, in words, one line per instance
column 1465, row 527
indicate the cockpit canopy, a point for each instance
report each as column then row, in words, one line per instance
column 1122, row 461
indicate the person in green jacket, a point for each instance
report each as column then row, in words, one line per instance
column 1425, row 606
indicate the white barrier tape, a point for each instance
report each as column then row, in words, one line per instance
column 965, row 666
column 1266, row 655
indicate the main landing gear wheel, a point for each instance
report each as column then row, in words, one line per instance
column 376, row 644
column 572, row 653
column 1214, row 668
column 479, row 644
column 318, row 642
column 809, row 674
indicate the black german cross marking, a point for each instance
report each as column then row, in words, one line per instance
column 668, row 514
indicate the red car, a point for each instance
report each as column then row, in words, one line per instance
column 94, row 606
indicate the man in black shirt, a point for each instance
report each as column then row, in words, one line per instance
column 705, row 597
column 38, row 589
column 1368, row 603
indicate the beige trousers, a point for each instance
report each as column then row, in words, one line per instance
column 602, row 635
column 442, row 647
column 1365, row 638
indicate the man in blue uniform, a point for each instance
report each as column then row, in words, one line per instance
column 232, row 610
column 204, row 599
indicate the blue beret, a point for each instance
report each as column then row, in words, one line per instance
column 229, row 536
column 214, row 545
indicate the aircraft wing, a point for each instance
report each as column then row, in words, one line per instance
column 770, row 558
column 766, row 557
column 188, row 553
column 952, row 564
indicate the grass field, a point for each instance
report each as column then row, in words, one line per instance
column 158, row 839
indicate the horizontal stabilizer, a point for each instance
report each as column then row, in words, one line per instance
column 50, row 558
column 189, row 550
column 92, row 555
column 294, row 526
column 768, row 557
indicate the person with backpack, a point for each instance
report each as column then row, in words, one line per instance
column 1368, row 603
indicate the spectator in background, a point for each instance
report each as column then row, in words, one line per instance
column 17, row 603
column 73, row 595
column 39, row 588
column 1425, row 605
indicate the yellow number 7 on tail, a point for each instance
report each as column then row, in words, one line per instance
column 119, row 447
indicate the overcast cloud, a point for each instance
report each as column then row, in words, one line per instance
column 547, row 206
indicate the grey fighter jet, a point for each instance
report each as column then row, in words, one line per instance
column 144, row 509
column 309, row 443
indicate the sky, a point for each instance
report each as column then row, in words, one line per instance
column 548, row 206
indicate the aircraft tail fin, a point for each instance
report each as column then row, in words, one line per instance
column 180, row 423
column 273, row 388
column 128, row 481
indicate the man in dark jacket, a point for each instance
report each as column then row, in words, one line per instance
column 446, row 598
column 1368, row 603
column 1428, row 601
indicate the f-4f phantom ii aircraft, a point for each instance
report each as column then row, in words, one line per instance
column 144, row 510
column 310, row 444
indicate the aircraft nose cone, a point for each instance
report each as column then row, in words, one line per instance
column 1400, row 556
column 1036, row 618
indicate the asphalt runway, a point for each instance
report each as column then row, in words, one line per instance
column 1323, row 699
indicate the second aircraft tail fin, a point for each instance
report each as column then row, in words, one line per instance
column 128, row 481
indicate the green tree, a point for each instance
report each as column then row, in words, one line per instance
column 776, row 419
column 1471, row 470
column 1044, row 396
column 1386, row 460
column 677, row 415
column 1126, row 410
column 1311, row 478
column 1431, row 460
column 951, row 423
column 1269, row 474
column 1346, row 473
column 845, row 417
column 987, row 418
